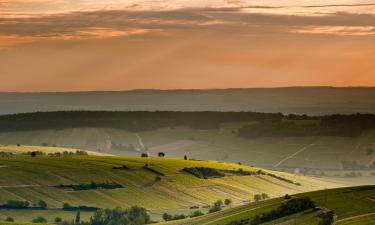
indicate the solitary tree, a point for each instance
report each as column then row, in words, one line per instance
column 78, row 217
column 185, row 157
column 257, row 197
column 161, row 154
column 227, row 202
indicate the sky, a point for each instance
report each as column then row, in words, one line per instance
column 87, row 45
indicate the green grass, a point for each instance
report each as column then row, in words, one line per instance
column 33, row 179
column 351, row 205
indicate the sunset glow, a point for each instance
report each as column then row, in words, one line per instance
column 77, row 45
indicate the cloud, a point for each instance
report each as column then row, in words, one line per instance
column 337, row 30
column 130, row 23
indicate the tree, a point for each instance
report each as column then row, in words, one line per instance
column 58, row 220
column 161, row 154
column 185, row 157
column 265, row 196
column 167, row 217
column 227, row 202
column 144, row 155
column 9, row 219
column 42, row 204
column 39, row 219
column 196, row 214
column 78, row 217
column 33, row 154
column 257, row 197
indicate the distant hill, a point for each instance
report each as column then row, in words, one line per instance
column 299, row 100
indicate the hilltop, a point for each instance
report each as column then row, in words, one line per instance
column 158, row 184
column 330, row 145
column 297, row 100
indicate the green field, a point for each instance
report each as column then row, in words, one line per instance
column 32, row 179
column 354, row 206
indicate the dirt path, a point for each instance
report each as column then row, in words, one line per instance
column 140, row 141
column 355, row 217
column 293, row 155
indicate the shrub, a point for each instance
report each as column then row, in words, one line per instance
column 9, row 219
column 227, row 202
column 196, row 214
column 58, row 220
column 39, row 219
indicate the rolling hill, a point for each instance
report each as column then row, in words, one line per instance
column 352, row 205
column 158, row 184
column 298, row 100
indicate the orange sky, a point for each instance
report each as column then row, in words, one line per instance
column 120, row 44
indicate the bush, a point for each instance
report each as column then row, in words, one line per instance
column 39, row 219
column 9, row 219
column 196, row 214
column 58, row 220
column 216, row 207
column 168, row 217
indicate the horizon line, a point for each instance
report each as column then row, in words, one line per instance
column 181, row 89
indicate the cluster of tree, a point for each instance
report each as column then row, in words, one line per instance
column 130, row 121
column 68, row 207
column 283, row 179
column 292, row 206
column 90, row 186
column 15, row 204
column 260, row 197
column 203, row 172
column 334, row 125
column 218, row 205
column 169, row 217
column 153, row 170
column 327, row 218
column 241, row 172
column 54, row 154
column 354, row 165
column 133, row 216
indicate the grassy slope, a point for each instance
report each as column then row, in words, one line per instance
column 32, row 179
column 352, row 206
column 28, row 148
column 222, row 145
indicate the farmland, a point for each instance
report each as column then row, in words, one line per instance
column 316, row 154
column 351, row 205
column 30, row 179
